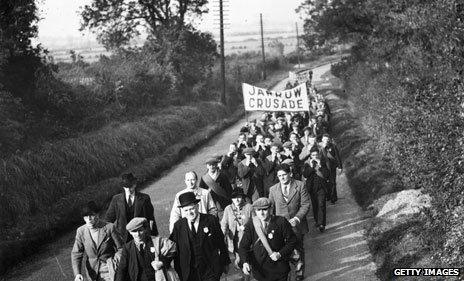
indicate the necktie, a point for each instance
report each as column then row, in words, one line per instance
column 130, row 201
column 141, row 248
column 192, row 224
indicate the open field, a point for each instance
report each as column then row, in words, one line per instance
column 248, row 44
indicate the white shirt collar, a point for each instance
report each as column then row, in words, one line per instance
column 196, row 223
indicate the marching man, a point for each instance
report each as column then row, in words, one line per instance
column 266, row 245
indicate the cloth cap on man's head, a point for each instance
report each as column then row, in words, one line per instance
column 128, row 179
column 288, row 161
column 262, row 203
column 314, row 149
column 288, row 144
column 307, row 128
column 249, row 151
column 212, row 161
column 187, row 198
column 136, row 224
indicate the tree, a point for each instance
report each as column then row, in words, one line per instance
column 18, row 59
column 277, row 47
column 116, row 22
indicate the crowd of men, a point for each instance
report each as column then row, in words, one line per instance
column 251, row 204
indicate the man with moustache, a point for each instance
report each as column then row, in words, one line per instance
column 201, row 251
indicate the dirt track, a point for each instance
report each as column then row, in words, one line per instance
column 340, row 253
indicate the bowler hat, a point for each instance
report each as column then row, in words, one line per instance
column 262, row 203
column 136, row 224
column 128, row 179
column 238, row 192
column 187, row 198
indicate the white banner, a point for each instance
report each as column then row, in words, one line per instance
column 258, row 99
column 301, row 76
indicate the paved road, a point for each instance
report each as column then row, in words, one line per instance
column 340, row 253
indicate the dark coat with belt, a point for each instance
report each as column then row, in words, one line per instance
column 212, row 244
column 116, row 212
column 280, row 237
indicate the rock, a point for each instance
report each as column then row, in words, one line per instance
column 406, row 202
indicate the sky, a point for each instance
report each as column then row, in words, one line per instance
column 60, row 20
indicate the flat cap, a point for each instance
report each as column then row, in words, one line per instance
column 287, row 144
column 137, row 223
column 262, row 203
column 212, row 161
column 249, row 151
column 288, row 161
column 307, row 128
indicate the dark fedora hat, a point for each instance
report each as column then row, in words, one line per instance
column 128, row 179
column 187, row 198
column 238, row 192
column 90, row 208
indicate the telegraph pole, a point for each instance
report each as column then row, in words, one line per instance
column 297, row 44
column 223, row 62
column 262, row 47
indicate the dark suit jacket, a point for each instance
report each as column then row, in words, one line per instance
column 316, row 178
column 212, row 244
column 252, row 251
column 128, row 269
column 331, row 155
column 116, row 212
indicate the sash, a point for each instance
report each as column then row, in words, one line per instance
column 259, row 230
column 214, row 186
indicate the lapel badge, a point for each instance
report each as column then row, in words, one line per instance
column 205, row 229
column 152, row 249
column 270, row 235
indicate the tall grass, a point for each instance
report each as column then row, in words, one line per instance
column 33, row 180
